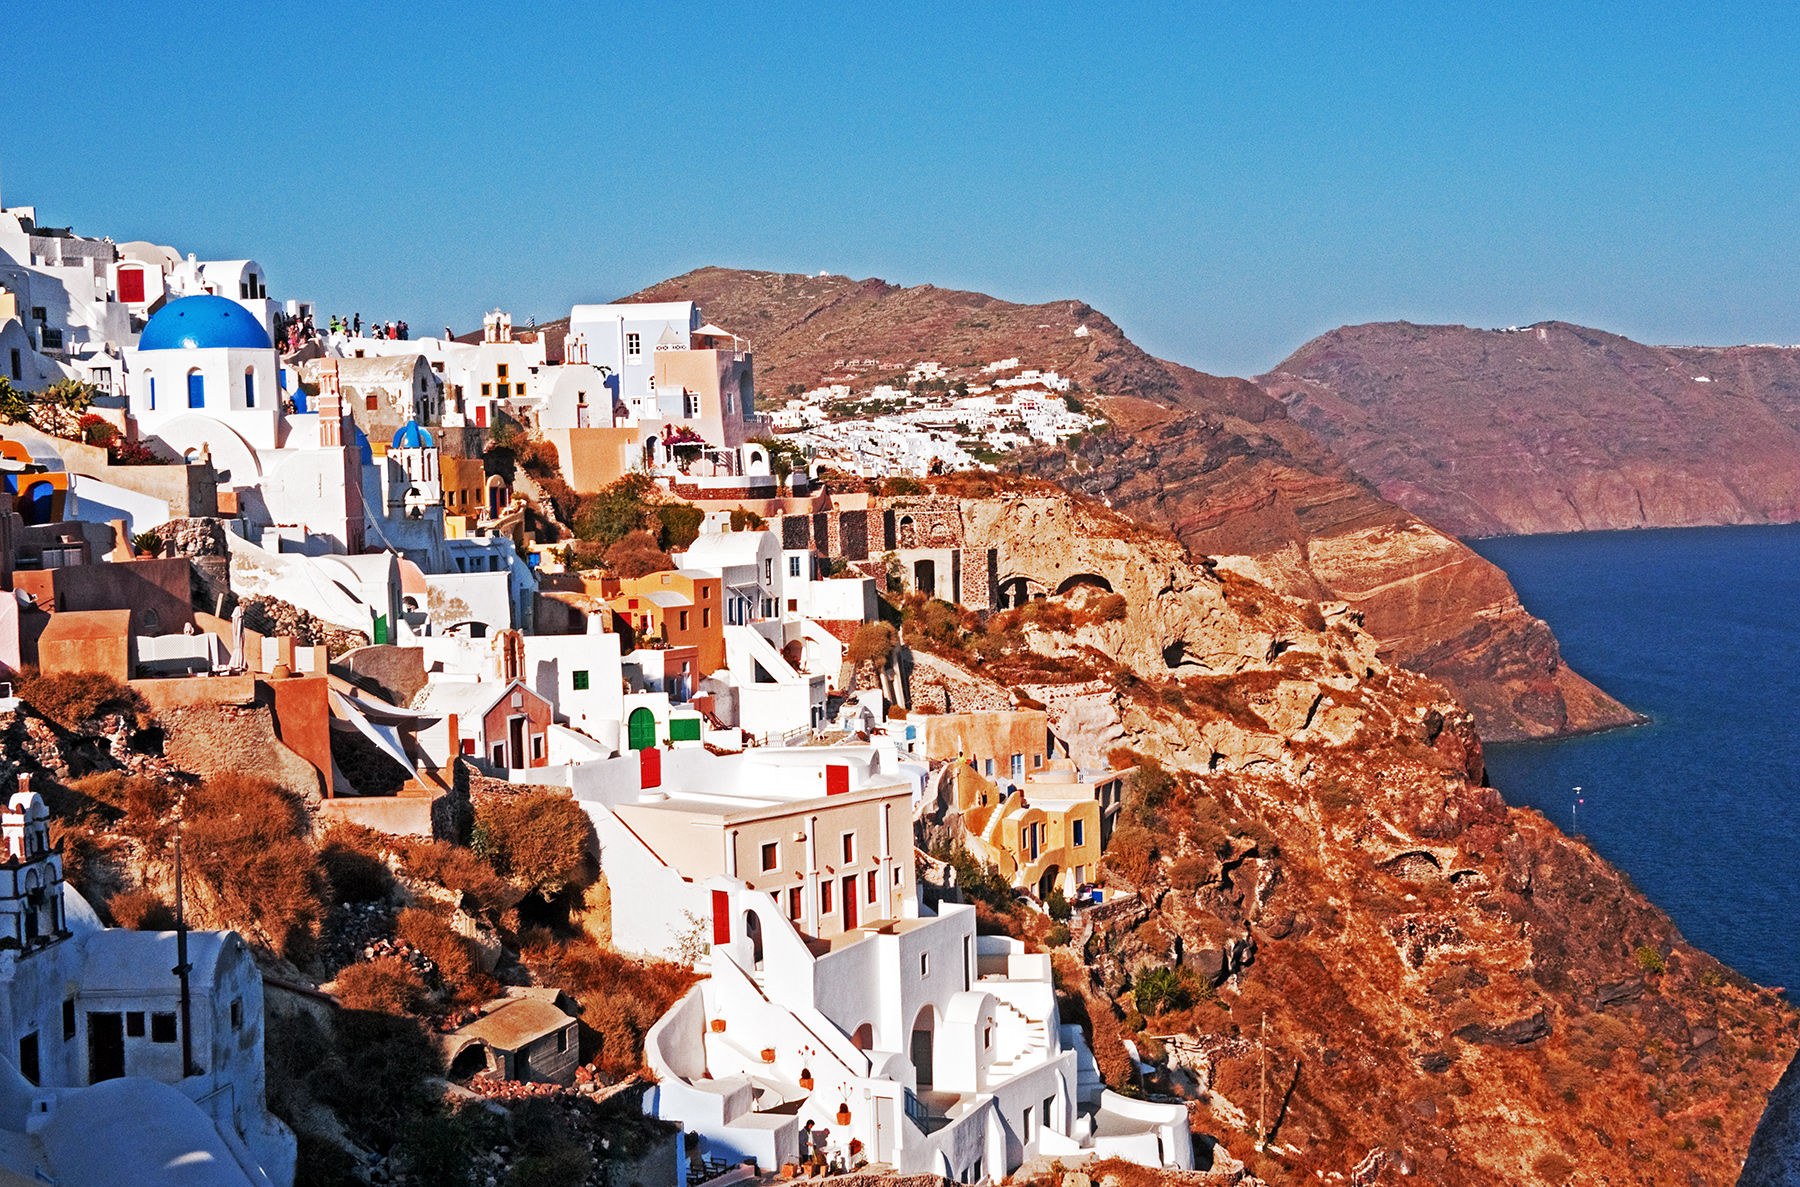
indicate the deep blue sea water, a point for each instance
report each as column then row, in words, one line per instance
column 1698, row 628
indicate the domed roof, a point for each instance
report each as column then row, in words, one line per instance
column 411, row 436
column 203, row 323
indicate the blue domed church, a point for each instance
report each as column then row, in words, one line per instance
column 208, row 385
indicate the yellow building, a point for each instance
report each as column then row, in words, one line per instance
column 1041, row 834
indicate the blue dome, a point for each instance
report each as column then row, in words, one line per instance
column 411, row 436
column 203, row 323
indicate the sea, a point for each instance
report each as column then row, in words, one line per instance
column 1698, row 629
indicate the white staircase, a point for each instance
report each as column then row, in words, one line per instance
column 1029, row 1046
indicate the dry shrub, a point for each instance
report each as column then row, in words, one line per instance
column 455, row 868
column 1553, row 1168
column 245, row 843
column 539, row 839
column 1132, row 853
column 453, row 954
column 1108, row 1044
column 637, row 555
column 1191, row 871
column 140, row 910
column 621, row 997
column 71, row 699
column 354, row 862
column 1593, row 1039
column 386, row 985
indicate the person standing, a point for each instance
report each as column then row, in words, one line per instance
column 356, row 326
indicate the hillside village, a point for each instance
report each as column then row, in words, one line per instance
column 514, row 757
column 398, row 581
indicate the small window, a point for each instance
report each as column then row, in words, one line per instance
column 521, row 391
column 924, row 964
column 505, row 391
column 793, row 566
column 684, row 620
column 705, row 617
column 771, row 856
column 825, row 904
column 768, row 571
column 1080, row 831
column 371, row 404
column 68, row 1019
column 793, row 605
column 249, row 389
column 874, row 885
column 794, row 903
column 896, row 875
column 162, row 1028
column 987, row 1037
column 562, row 1040
column 579, row 680
column 500, row 371
column 28, row 1057
column 237, row 1013
column 537, row 746
column 705, row 592
column 487, row 389
column 1037, row 760
column 987, row 767
column 849, row 848
column 134, row 1024
column 1018, row 766
column 634, row 346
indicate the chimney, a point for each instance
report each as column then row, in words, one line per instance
column 331, row 408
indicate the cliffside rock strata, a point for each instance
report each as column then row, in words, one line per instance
column 1454, row 991
column 1555, row 427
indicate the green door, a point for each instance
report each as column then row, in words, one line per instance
column 642, row 729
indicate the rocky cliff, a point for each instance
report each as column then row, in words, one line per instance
column 1555, row 427
column 1213, row 459
column 1323, row 930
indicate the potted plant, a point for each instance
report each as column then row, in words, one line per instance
column 768, row 1055
column 146, row 545
column 843, row 1113
column 806, row 1080
column 718, row 1025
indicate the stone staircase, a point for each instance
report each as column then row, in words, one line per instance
column 1028, row 1050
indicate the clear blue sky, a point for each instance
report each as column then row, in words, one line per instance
column 1224, row 181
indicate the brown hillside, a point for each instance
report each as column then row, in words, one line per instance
column 1211, row 458
column 1553, row 428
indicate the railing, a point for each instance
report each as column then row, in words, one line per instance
column 921, row 1114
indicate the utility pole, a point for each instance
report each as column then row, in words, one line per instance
column 182, row 967
column 1262, row 1098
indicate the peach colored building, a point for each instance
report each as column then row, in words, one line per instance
column 1002, row 744
column 684, row 608
column 1044, row 833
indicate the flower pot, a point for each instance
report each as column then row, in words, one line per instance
column 768, row 1055
column 806, row 1082
column 843, row 1115
column 718, row 1025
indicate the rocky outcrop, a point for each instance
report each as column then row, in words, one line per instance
column 1266, row 501
column 1451, row 990
column 1555, row 427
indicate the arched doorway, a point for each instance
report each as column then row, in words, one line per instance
column 1048, row 882
column 753, row 933
column 640, row 729
column 922, row 1035
column 925, row 576
column 863, row 1038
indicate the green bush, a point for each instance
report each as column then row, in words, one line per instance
column 1057, row 906
column 1057, row 936
column 1649, row 959
column 1160, row 990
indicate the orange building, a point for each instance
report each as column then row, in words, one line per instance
column 683, row 609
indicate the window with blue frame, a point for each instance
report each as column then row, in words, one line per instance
column 196, row 390
column 249, row 389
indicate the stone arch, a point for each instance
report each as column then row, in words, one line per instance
column 1091, row 580
column 1017, row 590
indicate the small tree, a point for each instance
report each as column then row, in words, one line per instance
column 538, row 839
column 637, row 556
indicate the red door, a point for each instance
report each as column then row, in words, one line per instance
column 849, row 902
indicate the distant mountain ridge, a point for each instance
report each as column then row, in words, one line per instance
column 1554, row 427
column 1214, row 459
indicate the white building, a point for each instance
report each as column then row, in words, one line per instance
column 913, row 1044
column 96, row 1074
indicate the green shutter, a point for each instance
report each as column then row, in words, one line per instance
column 684, row 729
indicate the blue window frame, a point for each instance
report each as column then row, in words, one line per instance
column 153, row 393
column 249, row 389
column 196, row 390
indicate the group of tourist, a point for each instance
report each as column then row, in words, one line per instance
column 352, row 327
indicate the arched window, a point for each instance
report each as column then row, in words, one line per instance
column 249, row 387
column 152, row 381
column 196, row 389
